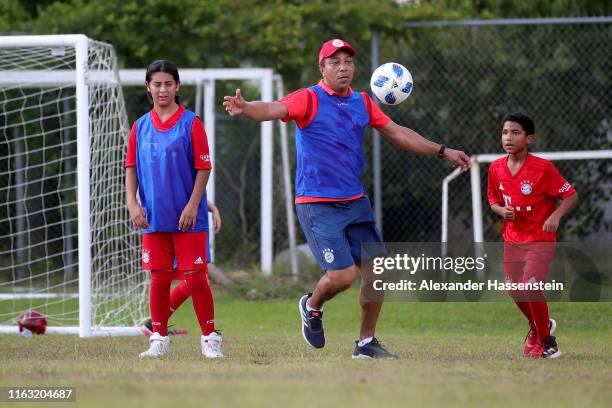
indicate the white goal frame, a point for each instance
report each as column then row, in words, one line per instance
column 204, row 81
column 81, row 79
column 476, row 189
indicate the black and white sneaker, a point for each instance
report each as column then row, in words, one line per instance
column 551, row 350
column 552, row 325
column 372, row 350
column 312, row 324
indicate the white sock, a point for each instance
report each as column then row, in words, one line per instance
column 364, row 341
column 310, row 309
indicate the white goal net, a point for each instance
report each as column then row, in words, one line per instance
column 66, row 246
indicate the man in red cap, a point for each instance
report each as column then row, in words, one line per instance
column 334, row 212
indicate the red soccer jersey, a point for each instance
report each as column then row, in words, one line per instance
column 533, row 192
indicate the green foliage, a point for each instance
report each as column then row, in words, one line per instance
column 286, row 35
column 280, row 34
column 12, row 16
column 253, row 285
column 466, row 79
column 277, row 34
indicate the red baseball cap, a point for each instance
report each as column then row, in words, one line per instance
column 330, row 47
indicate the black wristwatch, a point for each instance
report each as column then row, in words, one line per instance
column 441, row 151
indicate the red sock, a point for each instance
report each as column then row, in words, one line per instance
column 521, row 302
column 202, row 300
column 539, row 311
column 524, row 307
column 159, row 301
column 178, row 296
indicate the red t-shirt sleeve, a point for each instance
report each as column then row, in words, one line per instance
column 301, row 106
column 492, row 191
column 377, row 116
column 557, row 186
column 130, row 157
column 199, row 142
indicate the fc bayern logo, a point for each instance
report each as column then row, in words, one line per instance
column 329, row 255
column 145, row 256
column 526, row 187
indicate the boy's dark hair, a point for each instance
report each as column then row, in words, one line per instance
column 166, row 66
column 525, row 121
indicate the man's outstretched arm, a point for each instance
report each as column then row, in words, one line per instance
column 258, row 111
column 408, row 139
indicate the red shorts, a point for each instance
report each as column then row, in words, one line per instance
column 161, row 249
column 528, row 262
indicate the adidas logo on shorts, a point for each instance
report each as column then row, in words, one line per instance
column 198, row 261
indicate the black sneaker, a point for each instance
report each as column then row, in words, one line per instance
column 551, row 350
column 372, row 350
column 147, row 328
column 312, row 325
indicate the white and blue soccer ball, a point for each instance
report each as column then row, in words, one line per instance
column 391, row 83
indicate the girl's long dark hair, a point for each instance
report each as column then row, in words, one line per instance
column 166, row 66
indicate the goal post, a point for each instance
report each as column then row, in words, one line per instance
column 67, row 248
column 64, row 128
column 476, row 185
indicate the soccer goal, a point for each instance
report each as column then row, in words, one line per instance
column 67, row 248
column 586, row 157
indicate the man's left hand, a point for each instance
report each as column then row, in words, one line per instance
column 458, row 158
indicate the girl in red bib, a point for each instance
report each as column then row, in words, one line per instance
column 168, row 163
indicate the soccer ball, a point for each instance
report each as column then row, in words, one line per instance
column 32, row 321
column 391, row 83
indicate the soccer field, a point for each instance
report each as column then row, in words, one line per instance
column 460, row 354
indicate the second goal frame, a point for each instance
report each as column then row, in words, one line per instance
column 475, row 183
column 204, row 82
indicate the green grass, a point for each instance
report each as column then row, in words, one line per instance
column 460, row 354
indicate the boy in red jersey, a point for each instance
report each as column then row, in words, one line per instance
column 524, row 190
